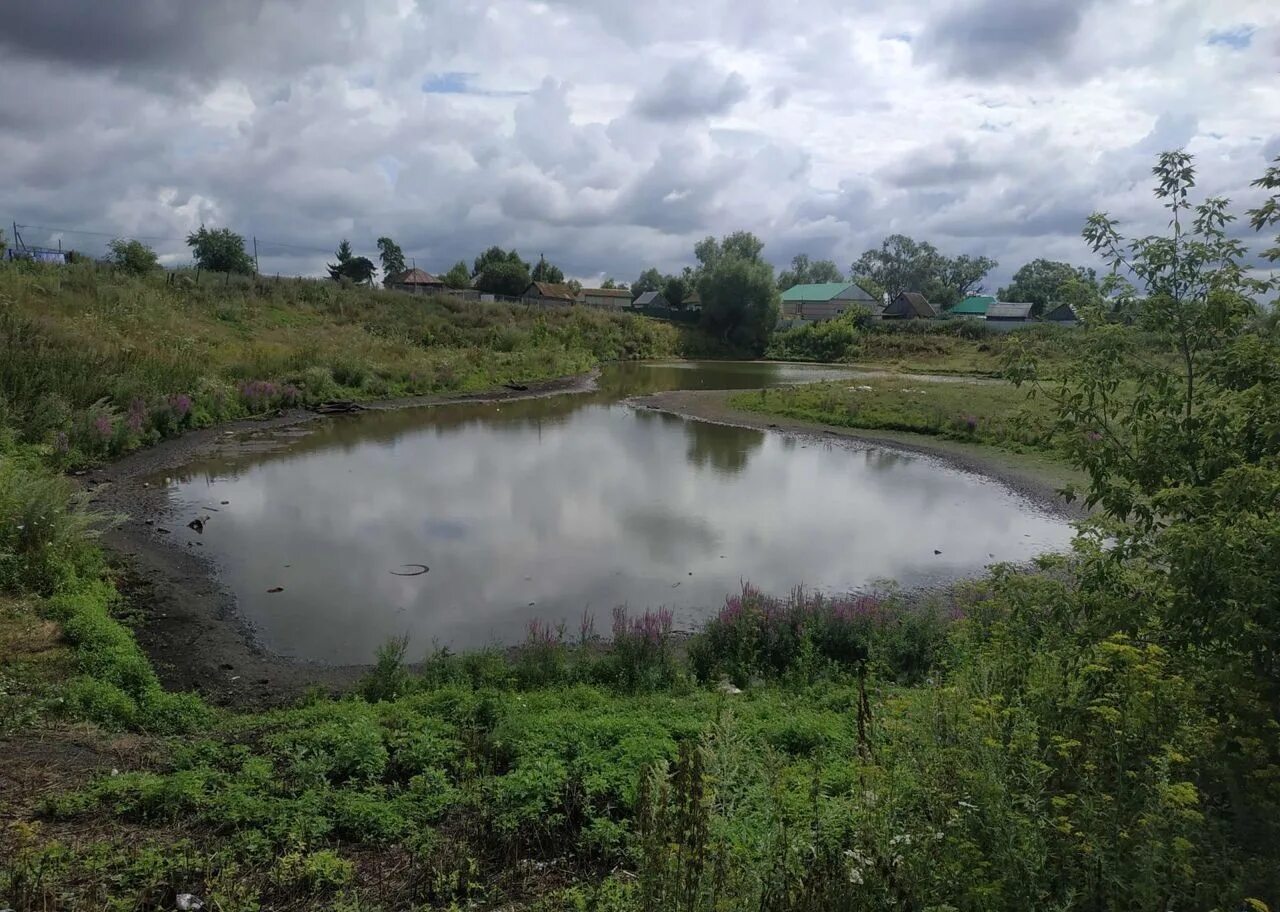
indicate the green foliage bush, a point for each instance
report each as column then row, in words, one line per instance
column 807, row 635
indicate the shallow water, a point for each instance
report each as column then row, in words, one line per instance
column 546, row 508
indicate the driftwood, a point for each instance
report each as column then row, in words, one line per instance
column 337, row 407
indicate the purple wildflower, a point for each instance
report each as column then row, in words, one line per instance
column 541, row 633
column 181, row 405
column 1092, row 436
column 102, row 424
column 258, row 393
column 137, row 417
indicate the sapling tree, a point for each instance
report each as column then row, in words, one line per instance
column 1146, row 411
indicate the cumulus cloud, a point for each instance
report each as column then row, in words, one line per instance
column 690, row 90
column 986, row 38
column 625, row 131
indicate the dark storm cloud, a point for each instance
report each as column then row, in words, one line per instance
column 956, row 163
column 691, row 90
column 1002, row 38
column 184, row 40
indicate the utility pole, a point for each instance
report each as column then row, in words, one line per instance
column 255, row 255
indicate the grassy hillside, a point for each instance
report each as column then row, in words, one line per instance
column 95, row 363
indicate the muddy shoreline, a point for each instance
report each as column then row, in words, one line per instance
column 1036, row 478
column 184, row 619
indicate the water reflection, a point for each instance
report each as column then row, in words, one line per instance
column 542, row 508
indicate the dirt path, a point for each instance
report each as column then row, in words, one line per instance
column 1035, row 477
column 183, row 617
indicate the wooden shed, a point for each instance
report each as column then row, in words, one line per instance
column 615, row 298
column 650, row 299
column 417, row 281
column 909, row 305
column 549, row 294
column 1008, row 312
column 1064, row 314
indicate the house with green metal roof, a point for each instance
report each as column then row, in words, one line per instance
column 825, row 300
column 973, row 306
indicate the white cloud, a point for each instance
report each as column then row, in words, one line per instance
column 612, row 135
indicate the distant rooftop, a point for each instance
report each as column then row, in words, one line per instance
column 973, row 306
column 826, row 291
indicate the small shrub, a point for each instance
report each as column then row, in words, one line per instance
column 323, row 871
column 640, row 656
column 760, row 635
column 542, row 659
column 389, row 678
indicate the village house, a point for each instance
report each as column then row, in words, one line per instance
column 1063, row 314
column 972, row 306
column 909, row 305
column 415, row 281
column 692, row 301
column 549, row 294
column 826, row 300
column 650, row 299
column 615, row 298
column 1008, row 312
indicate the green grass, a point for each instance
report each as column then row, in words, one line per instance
column 1002, row 747
column 992, row 413
column 950, row 347
column 95, row 363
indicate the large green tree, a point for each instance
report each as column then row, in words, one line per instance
column 496, row 254
column 133, row 257
column 960, row 277
column 739, row 295
column 354, row 268
column 504, row 276
column 391, row 257
column 804, row 271
column 1046, row 283
column 220, row 250
column 458, row 276
column 902, row 264
column 547, row 272
column 650, row 280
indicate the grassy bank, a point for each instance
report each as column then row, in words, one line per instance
column 94, row 363
column 952, row 346
column 992, row 413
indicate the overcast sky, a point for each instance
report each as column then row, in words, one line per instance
column 612, row 134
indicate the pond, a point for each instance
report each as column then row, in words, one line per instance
column 548, row 508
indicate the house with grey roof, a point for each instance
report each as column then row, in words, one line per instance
column 650, row 299
column 909, row 305
column 1008, row 312
column 1064, row 314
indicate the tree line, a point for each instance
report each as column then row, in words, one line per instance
column 899, row 264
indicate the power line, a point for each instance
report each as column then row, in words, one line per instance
column 110, row 234
column 264, row 242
